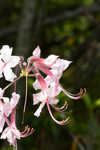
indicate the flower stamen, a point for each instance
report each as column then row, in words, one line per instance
column 63, row 122
column 62, row 108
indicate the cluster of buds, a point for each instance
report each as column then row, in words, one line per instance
column 49, row 87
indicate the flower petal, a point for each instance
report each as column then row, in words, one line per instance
column 39, row 97
column 50, row 60
column 36, row 85
column 37, row 52
column 42, row 82
column 2, row 122
column 38, row 111
column 13, row 61
column 6, row 50
column 14, row 100
column 9, row 75
column 64, row 64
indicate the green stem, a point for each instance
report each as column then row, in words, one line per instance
column 15, row 147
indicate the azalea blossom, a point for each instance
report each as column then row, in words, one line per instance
column 50, row 93
column 57, row 69
column 54, row 88
column 41, row 64
column 47, row 73
column 11, row 133
column 49, row 97
column 7, row 62
column 6, row 107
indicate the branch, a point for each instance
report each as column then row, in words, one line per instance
column 66, row 15
column 6, row 31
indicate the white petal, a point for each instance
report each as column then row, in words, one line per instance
column 2, row 122
column 37, row 52
column 9, row 75
column 4, row 134
column 7, row 109
column 50, row 60
column 53, row 100
column 6, row 100
column 54, row 90
column 63, row 64
column 1, row 68
column 16, row 133
column 39, row 97
column 6, row 52
column 14, row 60
column 1, row 93
column 36, row 85
column 36, row 99
column 14, row 100
column 38, row 111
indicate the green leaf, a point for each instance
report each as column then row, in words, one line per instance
column 97, row 103
column 87, row 101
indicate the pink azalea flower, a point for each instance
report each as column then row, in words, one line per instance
column 49, row 97
column 53, row 89
column 11, row 133
column 6, row 107
column 50, row 93
column 7, row 62
column 41, row 64
column 57, row 70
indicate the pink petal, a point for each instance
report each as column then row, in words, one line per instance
column 64, row 64
column 45, row 70
column 13, row 117
column 35, row 59
column 36, row 85
column 37, row 52
column 42, row 82
column 50, row 60
column 14, row 99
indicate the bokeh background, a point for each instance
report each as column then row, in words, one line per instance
column 70, row 29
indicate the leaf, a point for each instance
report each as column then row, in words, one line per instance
column 97, row 103
column 87, row 101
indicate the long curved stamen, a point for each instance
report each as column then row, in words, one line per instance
column 28, row 131
column 74, row 96
column 62, row 108
column 63, row 122
column 24, row 130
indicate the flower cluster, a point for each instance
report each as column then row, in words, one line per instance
column 49, row 87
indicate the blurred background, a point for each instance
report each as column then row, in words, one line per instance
column 71, row 30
